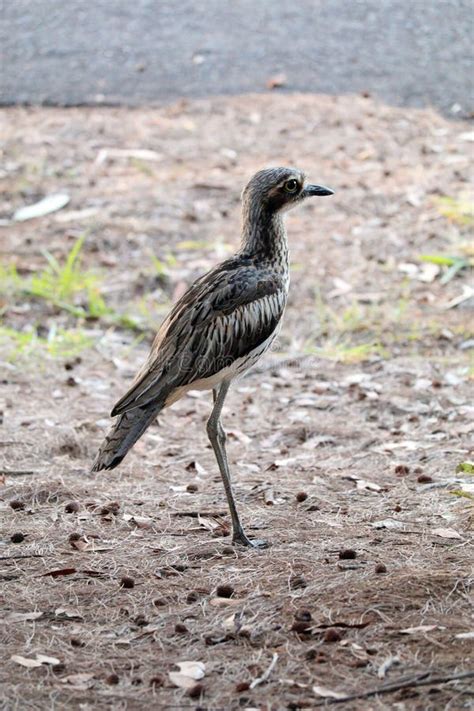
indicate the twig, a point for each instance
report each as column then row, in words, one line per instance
column 17, row 472
column 26, row 555
column 266, row 673
column 424, row 679
column 196, row 514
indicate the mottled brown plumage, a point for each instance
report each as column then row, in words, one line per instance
column 220, row 327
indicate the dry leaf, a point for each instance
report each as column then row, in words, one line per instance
column 269, row 496
column 25, row 662
column 446, row 533
column 386, row 665
column 239, row 436
column 194, row 466
column 64, row 613
column 363, row 484
column 181, row 680
column 23, row 616
column 466, row 294
column 37, row 662
column 389, row 523
column 428, row 272
column 266, row 673
column 328, row 693
column 230, row 623
column 76, row 215
column 80, row 544
column 50, row 203
column 44, row 659
column 138, row 153
column 208, row 523
column 78, row 681
column 60, row 571
column 421, row 628
column 138, row 521
column 189, row 673
column 224, row 602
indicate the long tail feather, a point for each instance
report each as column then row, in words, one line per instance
column 128, row 428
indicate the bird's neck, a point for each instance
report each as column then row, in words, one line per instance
column 264, row 237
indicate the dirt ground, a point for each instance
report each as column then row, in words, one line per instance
column 345, row 442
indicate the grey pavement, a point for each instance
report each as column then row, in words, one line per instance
column 66, row 52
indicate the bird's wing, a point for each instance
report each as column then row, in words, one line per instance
column 223, row 316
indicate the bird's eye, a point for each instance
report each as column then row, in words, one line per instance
column 291, row 186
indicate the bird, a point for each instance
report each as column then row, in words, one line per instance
column 224, row 322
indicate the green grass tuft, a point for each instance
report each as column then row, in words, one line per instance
column 60, row 343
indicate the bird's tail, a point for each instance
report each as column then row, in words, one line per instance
column 128, row 428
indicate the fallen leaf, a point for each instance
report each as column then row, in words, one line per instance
column 292, row 682
column 44, row 659
column 181, row 680
column 409, row 444
column 64, row 613
column 138, row 521
column 138, row 153
column 428, row 272
column 328, row 693
column 189, row 673
column 341, row 288
column 363, row 484
column 76, row 215
column 269, row 496
column 60, row 571
column 224, row 602
column 261, row 679
column 446, row 533
column 49, row 204
column 208, row 523
column 465, row 635
column 194, row 466
column 22, row 616
column 80, row 544
column 386, row 665
column 25, row 661
column 466, row 294
column 408, row 268
column 195, row 670
column 421, row 628
column 30, row 663
column 78, row 681
column 232, row 623
column 239, row 436
column 389, row 523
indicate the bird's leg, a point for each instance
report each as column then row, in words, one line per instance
column 217, row 439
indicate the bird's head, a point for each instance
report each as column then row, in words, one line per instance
column 279, row 189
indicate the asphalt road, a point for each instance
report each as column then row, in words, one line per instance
column 407, row 52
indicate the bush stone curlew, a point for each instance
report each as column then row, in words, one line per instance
column 219, row 328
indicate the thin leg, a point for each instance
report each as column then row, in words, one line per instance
column 217, row 439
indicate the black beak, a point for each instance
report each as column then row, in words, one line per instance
column 311, row 190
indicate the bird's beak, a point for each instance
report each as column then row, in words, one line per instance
column 311, row 190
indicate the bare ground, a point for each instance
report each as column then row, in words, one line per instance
column 344, row 456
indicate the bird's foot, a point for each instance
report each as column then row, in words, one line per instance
column 242, row 539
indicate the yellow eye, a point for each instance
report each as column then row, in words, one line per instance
column 291, row 186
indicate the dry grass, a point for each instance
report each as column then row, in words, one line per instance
column 396, row 418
